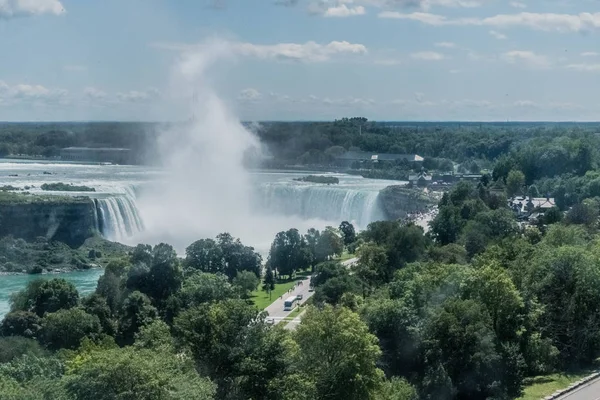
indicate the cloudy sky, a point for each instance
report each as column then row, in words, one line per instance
column 304, row 59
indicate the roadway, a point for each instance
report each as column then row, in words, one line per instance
column 589, row 391
column 275, row 310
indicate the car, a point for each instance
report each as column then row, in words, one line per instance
column 311, row 289
column 270, row 320
column 299, row 297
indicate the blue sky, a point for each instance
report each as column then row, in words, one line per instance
column 304, row 59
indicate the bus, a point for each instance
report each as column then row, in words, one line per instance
column 290, row 303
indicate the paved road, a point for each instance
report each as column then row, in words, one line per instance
column 350, row 262
column 275, row 310
column 589, row 391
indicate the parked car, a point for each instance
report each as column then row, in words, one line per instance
column 270, row 320
column 299, row 297
column 311, row 289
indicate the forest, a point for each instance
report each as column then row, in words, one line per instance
column 478, row 307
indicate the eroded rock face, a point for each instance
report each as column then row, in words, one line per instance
column 68, row 221
column 398, row 201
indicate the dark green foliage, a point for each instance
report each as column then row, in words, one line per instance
column 335, row 346
column 96, row 305
column 66, row 187
column 226, row 255
column 137, row 374
column 290, row 252
column 65, row 329
column 246, row 282
column 12, row 347
column 348, row 232
column 137, row 311
column 21, row 323
column 329, row 180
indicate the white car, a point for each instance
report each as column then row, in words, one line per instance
column 270, row 320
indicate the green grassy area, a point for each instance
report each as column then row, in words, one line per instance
column 345, row 256
column 540, row 386
column 261, row 298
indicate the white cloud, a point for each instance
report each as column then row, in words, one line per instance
column 94, row 93
column 137, row 96
column 75, row 68
column 388, row 61
column 539, row 21
column 28, row 93
column 448, row 45
column 589, row 54
column 517, row 4
column 584, row 67
column 26, row 8
column 344, row 11
column 305, row 52
column 498, row 35
column 527, row 58
column 249, row 95
column 427, row 56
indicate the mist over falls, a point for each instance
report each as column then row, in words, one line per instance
column 274, row 202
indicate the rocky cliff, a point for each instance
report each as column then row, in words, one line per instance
column 398, row 201
column 70, row 220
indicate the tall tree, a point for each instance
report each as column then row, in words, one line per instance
column 337, row 351
column 348, row 232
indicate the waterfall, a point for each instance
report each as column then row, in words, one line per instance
column 118, row 217
column 329, row 203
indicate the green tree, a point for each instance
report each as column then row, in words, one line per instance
column 447, row 225
column 397, row 389
column 348, row 232
column 137, row 312
column 65, row 329
column 329, row 244
column 337, row 351
column 246, row 282
column 136, row 374
column 97, row 305
column 197, row 289
column 21, row 323
column 269, row 281
column 514, row 182
column 585, row 213
column 289, row 253
column 373, row 266
column 55, row 294
column 205, row 255
column 12, row 347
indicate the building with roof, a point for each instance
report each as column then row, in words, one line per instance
column 96, row 154
column 420, row 179
column 364, row 157
column 525, row 207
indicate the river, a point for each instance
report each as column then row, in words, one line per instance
column 84, row 281
column 132, row 207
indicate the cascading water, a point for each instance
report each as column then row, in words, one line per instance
column 334, row 204
column 118, row 217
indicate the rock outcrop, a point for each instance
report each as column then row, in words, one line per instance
column 398, row 201
column 70, row 220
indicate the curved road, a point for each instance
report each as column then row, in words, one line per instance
column 589, row 391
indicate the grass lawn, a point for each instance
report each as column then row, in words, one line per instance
column 294, row 313
column 345, row 256
column 540, row 386
column 261, row 298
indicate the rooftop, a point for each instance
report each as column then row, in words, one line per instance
column 365, row 155
column 95, row 149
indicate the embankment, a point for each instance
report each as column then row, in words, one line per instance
column 70, row 220
column 399, row 201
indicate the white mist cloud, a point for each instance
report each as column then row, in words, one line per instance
column 447, row 45
column 138, row 96
column 302, row 52
column 498, row 35
column 427, row 56
column 538, row 21
column 33, row 94
column 250, row 95
column 344, row 11
column 527, row 58
column 26, row 8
